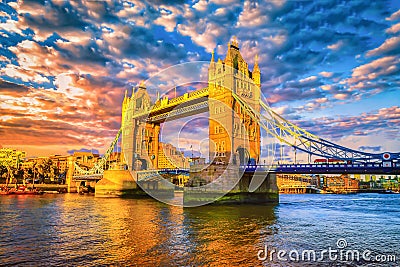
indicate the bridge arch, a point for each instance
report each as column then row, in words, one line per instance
column 140, row 164
column 243, row 155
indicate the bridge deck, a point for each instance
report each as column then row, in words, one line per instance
column 366, row 168
column 188, row 104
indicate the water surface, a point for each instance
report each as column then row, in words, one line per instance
column 75, row 230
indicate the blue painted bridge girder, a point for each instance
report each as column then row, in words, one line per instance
column 359, row 168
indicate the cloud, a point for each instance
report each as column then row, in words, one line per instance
column 326, row 74
column 25, row 75
column 168, row 20
column 341, row 96
column 201, row 5
column 390, row 45
column 321, row 100
column 394, row 16
column 291, row 94
column 379, row 67
column 252, row 15
column 336, row 46
column 11, row 88
column 44, row 20
column 370, row 148
column 326, row 87
column 366, row 124
column 394, row 29
column 203, row 32
column 308, row 79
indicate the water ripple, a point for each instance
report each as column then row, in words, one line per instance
column 71, row 230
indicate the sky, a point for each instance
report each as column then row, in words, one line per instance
column 329, row 66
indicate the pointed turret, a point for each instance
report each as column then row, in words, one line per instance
column 256, row 72
column 126, row 99
column 142, row 98
column 228, row 58
column 212, row 62
column 235, row 42
column 125, row 106
column 256, row 68
column 211, row 68
column 142, row 85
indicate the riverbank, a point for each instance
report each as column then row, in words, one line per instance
column 62, row 188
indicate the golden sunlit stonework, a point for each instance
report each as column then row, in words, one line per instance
column 230, row 129
column 140, row 140
column 234, row 136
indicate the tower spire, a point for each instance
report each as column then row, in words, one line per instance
column 142, row 85
column 228, row 58
column 256, row 72
column 235, row 42
column 212, row 62
column 256, row 67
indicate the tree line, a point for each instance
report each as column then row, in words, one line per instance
column 40, row 172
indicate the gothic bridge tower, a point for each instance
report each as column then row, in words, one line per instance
column 234, row 135
column 140, row 139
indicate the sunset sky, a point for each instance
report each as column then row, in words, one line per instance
column 330, row 66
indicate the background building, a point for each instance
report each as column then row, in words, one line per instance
column 11, row 157
column 169, row 157
column 85, row 160
column 60, row 163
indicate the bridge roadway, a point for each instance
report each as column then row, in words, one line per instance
column 360, row 168
column 357, row 168
column 169, row 109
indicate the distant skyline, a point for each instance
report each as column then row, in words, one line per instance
column 331, row 67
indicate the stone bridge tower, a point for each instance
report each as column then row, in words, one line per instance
column 234, row 135
column 140, row 139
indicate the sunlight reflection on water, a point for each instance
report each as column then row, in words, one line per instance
column 79, row 230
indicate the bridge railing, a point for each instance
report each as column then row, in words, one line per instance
column 315, row 168
column 174, row 101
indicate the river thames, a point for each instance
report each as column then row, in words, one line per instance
column 76, row 230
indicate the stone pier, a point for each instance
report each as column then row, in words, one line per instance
column 230, row 187
column 117, row 183
column 123, row 183
column 72, row 186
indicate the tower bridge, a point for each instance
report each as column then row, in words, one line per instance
column 237, row 115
